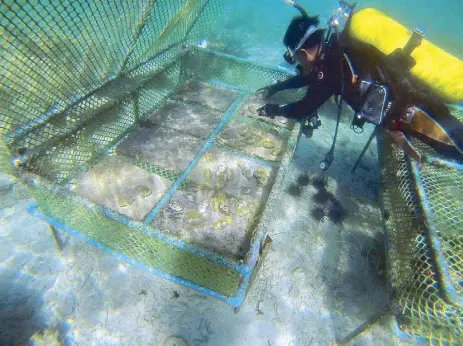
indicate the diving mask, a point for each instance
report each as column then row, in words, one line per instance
column 338, row 21
column 289, row 55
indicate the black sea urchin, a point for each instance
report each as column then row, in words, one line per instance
column 294, row 190
column 320, row 182
column 318, row 214
column 303, row 179
column 323, row 196
column 336, row 212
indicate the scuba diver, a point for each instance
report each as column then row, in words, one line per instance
column 378, row 87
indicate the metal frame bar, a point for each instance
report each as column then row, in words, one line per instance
column 151, row 216
column 448, row 290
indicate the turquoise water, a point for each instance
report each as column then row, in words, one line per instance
column 317, row 283
column 258, row 26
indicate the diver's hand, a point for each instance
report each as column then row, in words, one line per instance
column 269, row 110
column 265, row 92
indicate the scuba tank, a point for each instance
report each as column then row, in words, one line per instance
column 431, row 65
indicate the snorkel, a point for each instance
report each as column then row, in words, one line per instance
column 298, row 7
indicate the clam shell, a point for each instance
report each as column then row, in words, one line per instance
column 175, row 207
column 143, row 190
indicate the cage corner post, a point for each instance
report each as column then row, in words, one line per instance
column 264, row 250
column 58, row 239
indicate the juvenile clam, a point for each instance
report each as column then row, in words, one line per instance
column 174, row 206
column 261, row 177
column 124, row 201
column 143, row 190
column 268, row 144
column 245, row 190
column 203, row 207
column 224, row 208
column 245, row 169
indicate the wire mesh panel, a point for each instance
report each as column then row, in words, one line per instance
column 423, row 208
column 5, row 159
column 58, row 58
column 58, row 52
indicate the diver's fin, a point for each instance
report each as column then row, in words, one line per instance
column 445, row 130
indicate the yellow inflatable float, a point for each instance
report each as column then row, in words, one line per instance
column 435, row 67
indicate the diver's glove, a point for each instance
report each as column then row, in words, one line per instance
column 270, row 110
column 311, row 123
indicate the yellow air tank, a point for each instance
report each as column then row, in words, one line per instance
column 434, row 67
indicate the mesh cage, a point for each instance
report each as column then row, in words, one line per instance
column 101, row 139
column 423, row 208
column 82, row 80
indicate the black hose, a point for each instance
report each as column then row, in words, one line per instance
column 341, row 97
column 387, row 310
column 330, row 155
column 365, row 148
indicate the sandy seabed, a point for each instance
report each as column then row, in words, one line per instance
column 320, row 280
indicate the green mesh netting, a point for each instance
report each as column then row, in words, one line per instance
column 136, row 244
column 5, row 157
column 58, row 56
column 445, row 194
column 207, row 65
column 421, row 206
column 80, row 77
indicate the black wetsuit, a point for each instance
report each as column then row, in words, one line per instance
column 324, row 81
column 343, row 72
